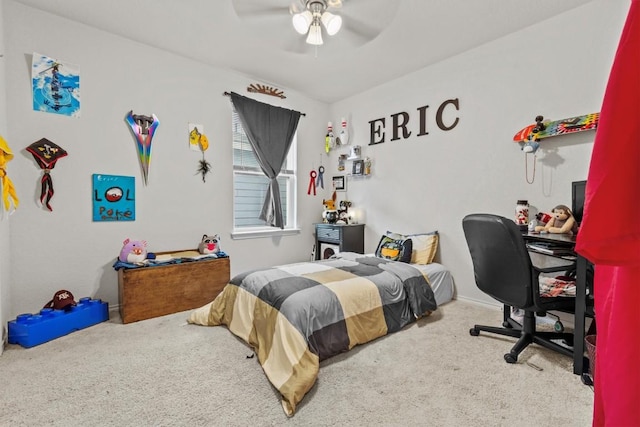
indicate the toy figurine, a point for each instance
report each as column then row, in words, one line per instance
column 561, row 222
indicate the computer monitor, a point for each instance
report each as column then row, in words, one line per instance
column 577, row 199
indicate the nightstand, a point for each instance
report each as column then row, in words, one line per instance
column 333, row 238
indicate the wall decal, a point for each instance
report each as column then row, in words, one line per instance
column 265, row 90
column 114, row 198
column 55, row 86
column 400, row 122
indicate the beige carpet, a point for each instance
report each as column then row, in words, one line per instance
column 163, row 372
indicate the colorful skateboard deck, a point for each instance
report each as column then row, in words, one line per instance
column 546, row 129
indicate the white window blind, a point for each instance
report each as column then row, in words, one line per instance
column 250, row 184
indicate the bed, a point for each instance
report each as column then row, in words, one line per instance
column 296, row 315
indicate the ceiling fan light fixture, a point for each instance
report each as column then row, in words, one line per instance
column 315, row 34
column 331, row 22
column 302, row 21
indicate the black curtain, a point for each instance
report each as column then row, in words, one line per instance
column 270, row 131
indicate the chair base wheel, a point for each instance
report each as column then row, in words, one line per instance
column 474, row 332
column 558, row 326
column 587, row 380
column 510, row 358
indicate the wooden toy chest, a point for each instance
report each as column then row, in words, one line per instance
column 148, row 292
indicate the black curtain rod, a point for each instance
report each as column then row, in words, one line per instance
column 229, row 94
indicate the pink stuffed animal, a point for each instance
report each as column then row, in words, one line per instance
column 133, row 251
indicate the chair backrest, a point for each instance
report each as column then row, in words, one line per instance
column 501, row 262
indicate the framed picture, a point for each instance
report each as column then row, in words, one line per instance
column 358, row 167
column 339, row 183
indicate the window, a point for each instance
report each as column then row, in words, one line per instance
column 250, row 185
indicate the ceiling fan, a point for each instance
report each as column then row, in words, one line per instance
column 357, row 21
column 315, row 12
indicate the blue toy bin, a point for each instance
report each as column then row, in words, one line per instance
column 30, row 330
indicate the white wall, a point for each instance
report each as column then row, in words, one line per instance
column 4, row 221
column 558, row 68
column 65, row 249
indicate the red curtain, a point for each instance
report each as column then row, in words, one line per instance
column 610, row 236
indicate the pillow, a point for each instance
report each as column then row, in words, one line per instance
column 394, row 247
column 424, row 246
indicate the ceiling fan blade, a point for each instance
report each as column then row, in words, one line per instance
column 262, row 12
column 252, row 9
column 297, row 45
column 297, row 7
column 362, row 29
column 367, row 20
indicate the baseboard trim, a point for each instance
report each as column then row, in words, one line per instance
column 5, row 340
column 495, row 306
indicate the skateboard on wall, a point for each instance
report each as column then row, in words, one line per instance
column 546, row 129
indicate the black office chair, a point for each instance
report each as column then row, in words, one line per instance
column 503, row 270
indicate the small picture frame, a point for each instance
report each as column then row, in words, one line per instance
column 339, row 183
column 358, row 167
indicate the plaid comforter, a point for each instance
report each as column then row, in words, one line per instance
column 296, row 315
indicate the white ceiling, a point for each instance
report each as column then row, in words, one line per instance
column 380, row 39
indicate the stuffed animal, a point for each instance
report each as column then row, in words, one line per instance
column 561, row 222
column 330, row 213
column 209, row 244
column 343, row 212
column 133, row 251
column 330, row 204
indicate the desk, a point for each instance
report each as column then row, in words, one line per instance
column 580, row 362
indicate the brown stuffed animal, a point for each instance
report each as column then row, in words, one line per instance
column 561, row 222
